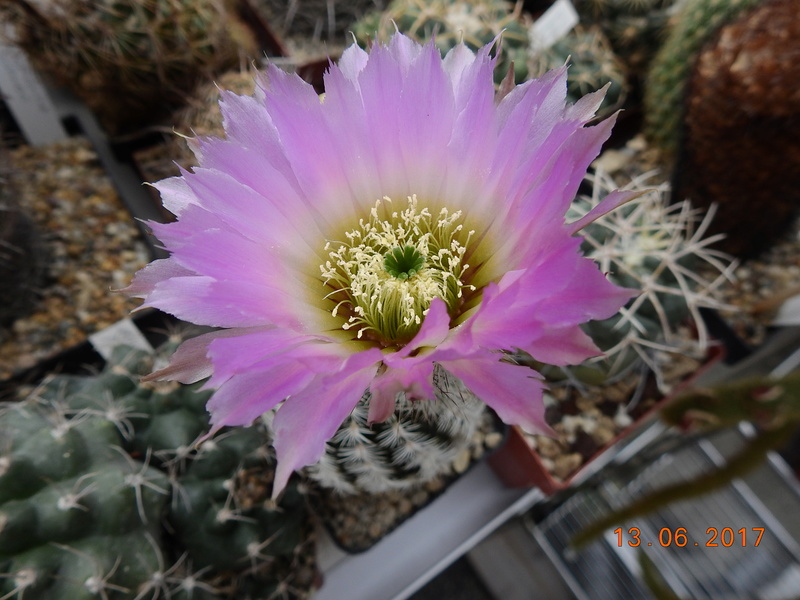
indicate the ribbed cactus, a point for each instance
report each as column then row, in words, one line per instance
column 130, row 61
column 669, row 73
column 592, row 64
column 722, row 105
column 419, row 442
column 660, row 249
column 103, row 495
column 477, row 22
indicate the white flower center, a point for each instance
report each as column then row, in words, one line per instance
column 391, row 267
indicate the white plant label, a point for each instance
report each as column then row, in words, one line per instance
column 27, row 99
column 121, row 333
column 556, row 22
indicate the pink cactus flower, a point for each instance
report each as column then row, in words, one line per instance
column 410, row 217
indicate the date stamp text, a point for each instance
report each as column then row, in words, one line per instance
column 725, row 537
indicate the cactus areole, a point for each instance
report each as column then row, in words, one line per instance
column 411, row 220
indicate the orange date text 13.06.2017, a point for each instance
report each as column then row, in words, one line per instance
column 725, row 537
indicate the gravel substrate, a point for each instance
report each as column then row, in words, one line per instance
column 761, row 286
column 91, row 246
column 586, row 421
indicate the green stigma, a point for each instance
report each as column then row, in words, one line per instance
column 404, row 262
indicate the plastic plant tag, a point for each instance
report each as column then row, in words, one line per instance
column 556, row 22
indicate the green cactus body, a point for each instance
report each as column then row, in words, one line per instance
column 659, row 249
column 672, row 66
column 476, row 22
column 419, row 442
column 104, row 495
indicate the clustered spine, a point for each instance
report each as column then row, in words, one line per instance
column 103, row 494
column 419, row 442
column 661, row 249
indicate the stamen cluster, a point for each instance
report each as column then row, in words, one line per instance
column 392, row 266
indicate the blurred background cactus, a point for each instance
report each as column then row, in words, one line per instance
column 316, row 20
column 723, row 104
column 661, row 249
column 22, row 255
column 130, row 61
column 635, row 28
column 104, row 495
column 669, row 75
column 477, row 22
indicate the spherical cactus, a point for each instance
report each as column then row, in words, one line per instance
column 130, row 61
column 74, row 506
column 669, row 73
column 103, row 494
column 738, row 146
column 662, row 250
column 419, row 442
column 447, row 22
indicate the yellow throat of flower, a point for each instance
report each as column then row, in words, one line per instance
column 384, row 277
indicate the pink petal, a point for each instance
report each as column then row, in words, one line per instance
column 514, row 392
column 611, row 202
column 414, row 378
column 157, row 271
column 435, row 328
column 352, row 62
column 236, row 355
column 244, row 398
column 310, row 417
column 175, row 194
column 190, row 362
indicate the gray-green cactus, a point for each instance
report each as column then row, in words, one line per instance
column 448, row 22
column 661, row 250
column 419, row 442
column 103, row 494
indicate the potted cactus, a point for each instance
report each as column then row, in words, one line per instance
column 102, row 494
column 649, row 347
column 721, row 108
column 130, row 62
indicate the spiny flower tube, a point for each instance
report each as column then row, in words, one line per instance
column 411, row 218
